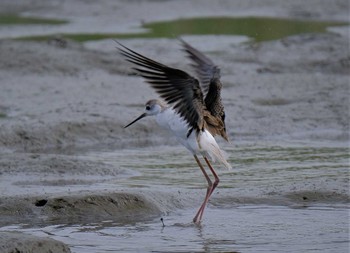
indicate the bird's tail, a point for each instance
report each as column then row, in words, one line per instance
column 212, row 149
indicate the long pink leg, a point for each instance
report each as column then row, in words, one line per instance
column 215, row 184
column 210, row 190
column 217, row 180
column 199, row 214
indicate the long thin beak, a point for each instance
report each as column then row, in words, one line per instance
column 140, row 117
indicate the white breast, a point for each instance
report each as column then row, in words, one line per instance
column 178, row 127
column 172, row 121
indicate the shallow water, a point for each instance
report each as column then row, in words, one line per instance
column 282, row 198
column 241, row 229
column 258, row 170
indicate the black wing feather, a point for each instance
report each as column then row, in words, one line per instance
column 174, row 86
column 204, row 67
column 209, row 74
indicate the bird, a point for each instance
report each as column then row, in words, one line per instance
column 190, row 108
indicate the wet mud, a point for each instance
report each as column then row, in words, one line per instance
column 70, row 173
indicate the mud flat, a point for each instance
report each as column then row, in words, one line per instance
column 66, row 162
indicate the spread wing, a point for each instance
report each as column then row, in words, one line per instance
column 204, row 67
column 209, row 75
column 173, row 85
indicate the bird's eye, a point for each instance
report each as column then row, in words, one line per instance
column 148, row 107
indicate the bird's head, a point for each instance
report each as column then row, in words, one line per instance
column 152, row 107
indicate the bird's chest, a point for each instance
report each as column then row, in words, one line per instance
column 178, row 128
column 171, row 121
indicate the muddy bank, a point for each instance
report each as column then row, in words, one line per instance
column 20, row 242
column 123, row 208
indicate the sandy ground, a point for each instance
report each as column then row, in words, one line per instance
column 58, row 100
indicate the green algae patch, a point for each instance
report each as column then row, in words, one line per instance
column 256, row 28
column 12, row 19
